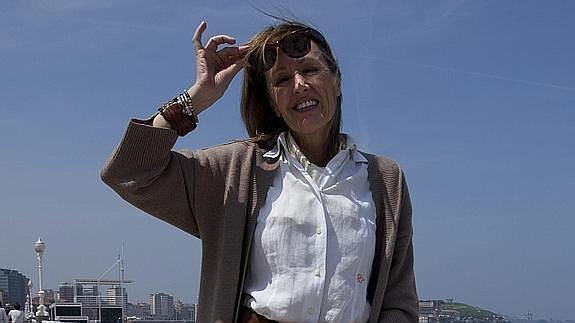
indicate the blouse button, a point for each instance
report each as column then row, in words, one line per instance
column 311, row 311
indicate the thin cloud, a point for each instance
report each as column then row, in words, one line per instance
column 83, row 20
column 473, row 73
column 422, row 20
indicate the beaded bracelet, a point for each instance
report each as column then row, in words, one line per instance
column 179, row 113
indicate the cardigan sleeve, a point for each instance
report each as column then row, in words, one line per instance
column 145, row 172
column 400, row 302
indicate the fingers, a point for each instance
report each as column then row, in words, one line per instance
column 235, row 68
column 198, row 35
column 230, row 72
column 215, row 41
column 231, row 52
column 244, row 49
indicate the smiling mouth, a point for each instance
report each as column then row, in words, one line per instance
column 306, row 105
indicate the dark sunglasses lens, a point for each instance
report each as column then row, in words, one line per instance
column 296, row 45
column 317, row 36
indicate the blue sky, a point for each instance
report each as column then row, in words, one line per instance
column 473, row 98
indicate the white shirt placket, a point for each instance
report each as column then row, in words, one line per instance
column 318, row 222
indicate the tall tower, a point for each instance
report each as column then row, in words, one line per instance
column 39, row 247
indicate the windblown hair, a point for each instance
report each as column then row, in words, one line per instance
column 261, row 122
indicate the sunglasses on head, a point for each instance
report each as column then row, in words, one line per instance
column 295, row 44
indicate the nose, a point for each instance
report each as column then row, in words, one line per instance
column 300, row 83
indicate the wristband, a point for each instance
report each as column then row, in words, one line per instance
column 179, row 113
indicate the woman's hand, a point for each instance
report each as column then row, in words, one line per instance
column 215, row 68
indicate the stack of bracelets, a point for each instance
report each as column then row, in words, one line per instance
column 179, row 113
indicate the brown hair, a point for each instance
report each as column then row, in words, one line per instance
column 260, row 120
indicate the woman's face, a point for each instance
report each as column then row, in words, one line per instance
column 304, row 92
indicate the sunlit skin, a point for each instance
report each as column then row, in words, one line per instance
column 292, row 83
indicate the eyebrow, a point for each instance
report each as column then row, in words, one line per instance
column 299, row 61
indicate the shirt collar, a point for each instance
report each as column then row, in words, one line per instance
column 357, row 156
column 350, row 144
column 275, row 151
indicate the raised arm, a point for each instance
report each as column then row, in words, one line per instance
column 215, row 69
column 145, row 171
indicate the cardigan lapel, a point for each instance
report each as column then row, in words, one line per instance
column 262, row 175
column 381, row 264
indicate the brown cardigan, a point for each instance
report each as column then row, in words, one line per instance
column 215, row 194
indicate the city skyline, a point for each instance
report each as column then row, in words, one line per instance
column 474, row 99
column 90, row 295
column 104, row 292
column 164, row 306
column 86, row 300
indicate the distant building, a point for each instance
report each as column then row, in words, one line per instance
column 439, row 311
column 111, row 314
column 114, row 295
column 100, row 307
column 87, row 294
column 14, row 286
column 65, row 309
column 66, row 293
column 449, row 314
column 428, row 307
column 141, row 311
column 50, row 295
column 186, row 312
column 162, row 306
column 67, row 312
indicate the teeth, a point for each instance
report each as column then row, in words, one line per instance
column 306, row 104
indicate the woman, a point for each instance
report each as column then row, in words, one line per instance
column 16, row 315
column 3, row 317
column 296, row 224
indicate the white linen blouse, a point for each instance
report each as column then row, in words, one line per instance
column 314, row 241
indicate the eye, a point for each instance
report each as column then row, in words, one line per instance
column 281, row 80
column 309, row 70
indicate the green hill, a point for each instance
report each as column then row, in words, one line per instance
column 468, row 311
